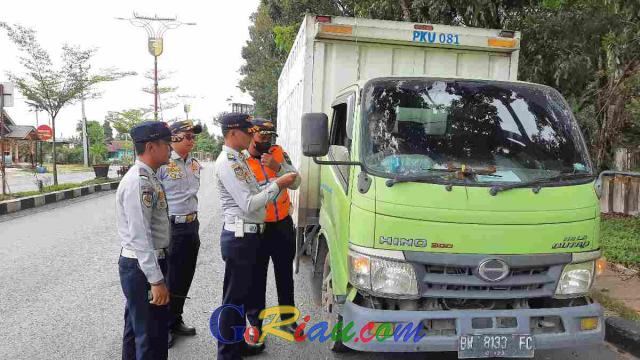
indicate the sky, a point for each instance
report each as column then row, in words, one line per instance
column 204, row 59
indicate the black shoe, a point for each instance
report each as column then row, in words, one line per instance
column 251, row 350
column 171, row 339
column 291, row 329
column 179, row 328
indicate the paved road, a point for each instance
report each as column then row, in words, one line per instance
column 61, row 299
column 20, row 180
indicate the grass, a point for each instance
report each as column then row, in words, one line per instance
column 619, row 237
column 68, row 168
column 615, row 306
column 54, row 188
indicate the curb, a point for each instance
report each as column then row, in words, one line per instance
column 623, row 269
column 623, row 333
column 30, row 202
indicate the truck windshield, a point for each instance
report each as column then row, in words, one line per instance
column 483, row 132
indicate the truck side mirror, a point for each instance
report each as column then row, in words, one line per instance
column 315, row 134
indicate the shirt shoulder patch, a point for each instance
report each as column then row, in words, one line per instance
column 240, row 172
column 230, row 156
column 286, row 157
column 147, row 197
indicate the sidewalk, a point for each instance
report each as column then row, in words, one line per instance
column 618, row 290
column 20, row 180
column 622, row 287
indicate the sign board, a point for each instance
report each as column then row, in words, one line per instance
column 7, row 94
column 44, row 132
column 156, row 46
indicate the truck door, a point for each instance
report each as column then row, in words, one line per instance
column 335, row 182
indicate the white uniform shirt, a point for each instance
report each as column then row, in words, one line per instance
column 181, row 181
column 142, row 219
column 240, row 195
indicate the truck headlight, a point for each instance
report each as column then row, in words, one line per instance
column 576, row 279
column 382, row 277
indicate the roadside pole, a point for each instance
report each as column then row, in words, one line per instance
column 155, row 83
column 85, row 139
column 2, row 172
column 155, row 27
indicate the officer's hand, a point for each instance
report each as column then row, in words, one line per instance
column 286, row 180
column 160, row 294
column 269, row 161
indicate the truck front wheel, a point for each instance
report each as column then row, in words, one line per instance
column 329, row 310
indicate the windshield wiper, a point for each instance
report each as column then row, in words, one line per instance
column 564, row 176
column 460, row 174
column 412, row 178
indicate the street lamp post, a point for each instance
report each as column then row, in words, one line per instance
column 155, row 27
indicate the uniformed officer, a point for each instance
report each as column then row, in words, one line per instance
column 279, row 243
column 143, row 228
column 243, row 204
column 181, row 180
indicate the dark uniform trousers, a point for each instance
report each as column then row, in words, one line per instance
column 145, row 325
column 183, row 255
column 279, row 244
column 239, row 255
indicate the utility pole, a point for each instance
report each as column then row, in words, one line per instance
column 85, row 139
column 155, row 27
column 155, row 87
column 2, row 171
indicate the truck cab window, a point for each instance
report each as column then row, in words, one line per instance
column 339, row 127
column 341, row 144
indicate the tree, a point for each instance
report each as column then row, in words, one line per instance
column 97, row 147
column 170, row 102
column 209, row 143
column 108, row 131
column 271, row 35
column 588, row 50
column 51, row 88
column 123, row 121
column 263, row 64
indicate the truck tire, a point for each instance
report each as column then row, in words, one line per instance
column 316, row 271
column 329, row 312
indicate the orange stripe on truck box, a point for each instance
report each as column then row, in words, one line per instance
column 337, row 29
column 505, row 43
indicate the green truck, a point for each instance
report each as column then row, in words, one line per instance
column 438, row 191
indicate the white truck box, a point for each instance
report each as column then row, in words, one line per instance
column 332, row 53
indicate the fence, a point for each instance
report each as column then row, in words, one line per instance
column 627, row 159
column 620, row 194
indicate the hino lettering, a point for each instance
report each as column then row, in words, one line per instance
column 419, row 243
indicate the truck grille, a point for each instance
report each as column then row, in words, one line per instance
column 463, row 282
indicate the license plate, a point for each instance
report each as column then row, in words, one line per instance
column 486, row 346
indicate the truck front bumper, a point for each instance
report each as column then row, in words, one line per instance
column 571, row 336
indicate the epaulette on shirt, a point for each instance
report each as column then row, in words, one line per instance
column 144, row 173
column 195, row 165
column 286, row 157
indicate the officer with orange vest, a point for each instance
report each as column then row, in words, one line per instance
column 279, row 240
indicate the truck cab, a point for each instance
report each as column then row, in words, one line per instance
column 446, row 206
column 464, row 207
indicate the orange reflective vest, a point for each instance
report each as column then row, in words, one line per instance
column 279, row 208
